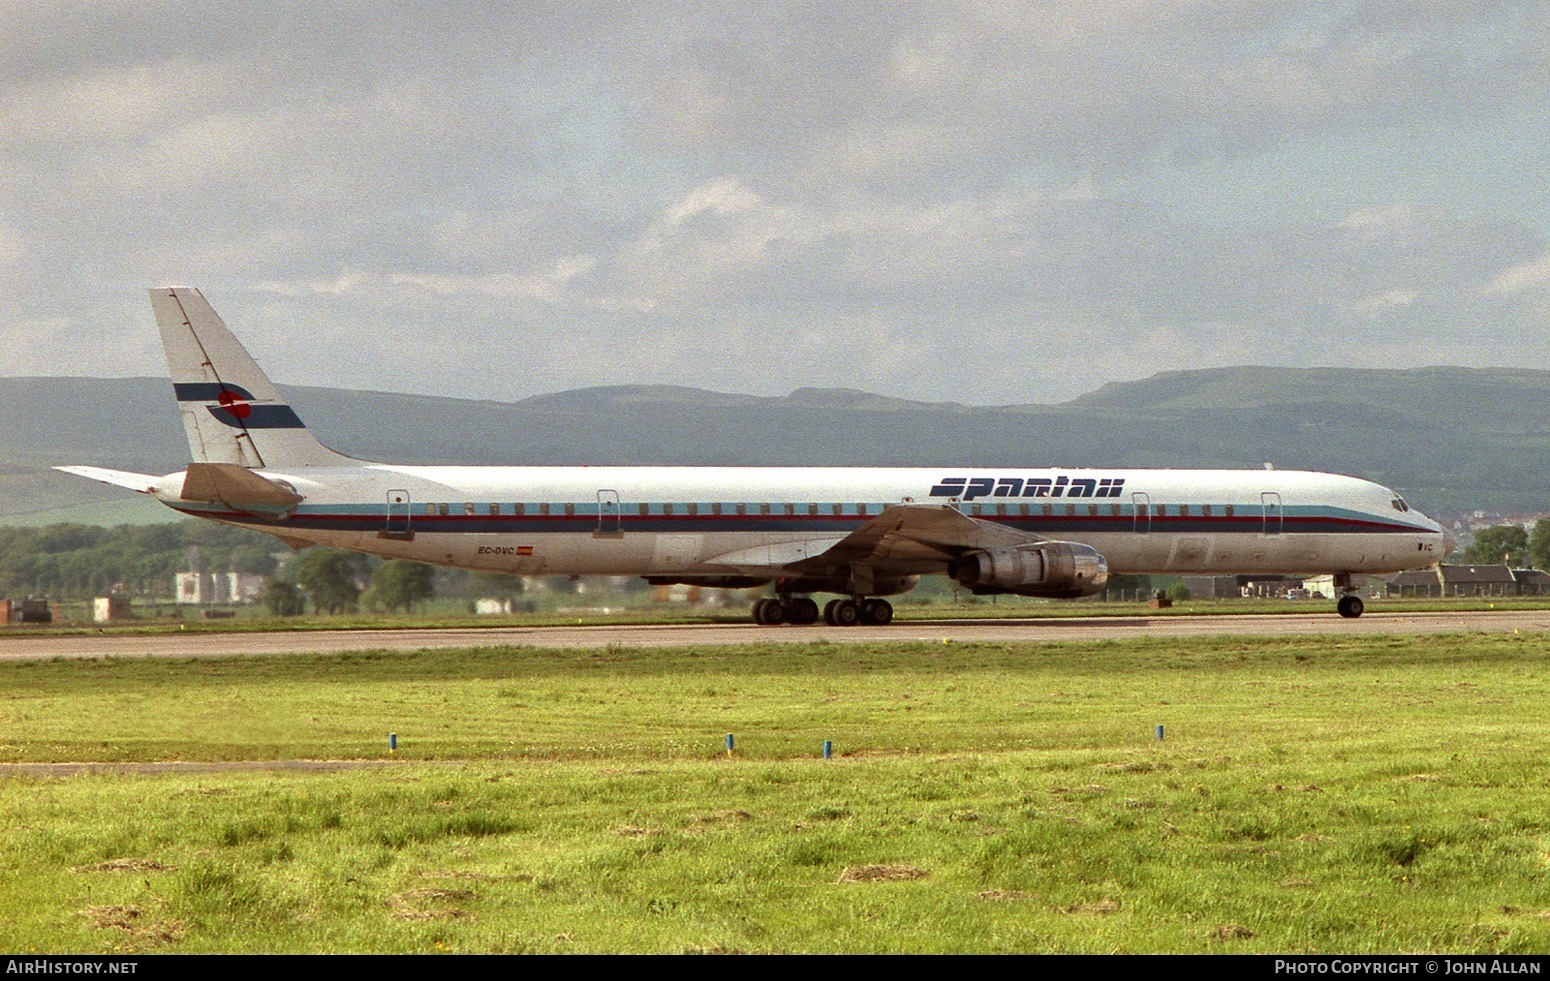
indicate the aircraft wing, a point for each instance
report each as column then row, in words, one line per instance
column 139, row 482
column 902, row 534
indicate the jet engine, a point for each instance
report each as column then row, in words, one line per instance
column 1057, row 570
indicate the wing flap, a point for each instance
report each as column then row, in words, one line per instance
column 777, row 556
column 913, row 533
column 904, row 534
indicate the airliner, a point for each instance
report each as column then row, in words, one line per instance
column 862, row 534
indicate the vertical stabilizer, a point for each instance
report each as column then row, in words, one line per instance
column 231, row 411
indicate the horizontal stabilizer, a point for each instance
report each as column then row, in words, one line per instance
column 237, row 487
column 139, row 482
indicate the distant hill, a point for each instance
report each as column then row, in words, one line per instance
column 1451, row 439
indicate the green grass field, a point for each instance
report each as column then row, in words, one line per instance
column 1363, row 794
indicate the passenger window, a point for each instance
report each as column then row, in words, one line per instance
column 1022, row 509
column 495, row 509
column 644, row 509
column 1227, row 510
column 812, row 510
column 861, row 509
column 570, row 510
column 742, row 509
column 443, row 509
column 1070, row 510
column 430, row 509
column 715, row 508
column 694, row 509
column 791, row 509
column 1205, row 510
column 839, row 509
column 764, row 509
column 519, row 509
column 1001, row 509
column 1092, row 510
column 1114, row 509
column 543, row 509
column 1162, row 510
column 1049, row 509
column 667, row 509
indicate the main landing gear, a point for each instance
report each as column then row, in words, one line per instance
column 772, row 610
column 837, row 613
column 851, row 612
column 1350, row 605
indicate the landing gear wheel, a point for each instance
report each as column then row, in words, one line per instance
column 802, row 611
column 876, row 612
column 1350, row 606
column 828, row 613
column 846, row 613
column 768, row 612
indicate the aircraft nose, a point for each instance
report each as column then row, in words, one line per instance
column 1449, row 544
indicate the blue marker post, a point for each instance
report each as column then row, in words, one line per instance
column 730, row 744
column 1159, row 733
column 392, row 742
column 828, row 749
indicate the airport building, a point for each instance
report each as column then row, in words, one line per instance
column 1470, row 580
column 209, row 588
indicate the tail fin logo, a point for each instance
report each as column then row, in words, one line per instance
column 235, row 404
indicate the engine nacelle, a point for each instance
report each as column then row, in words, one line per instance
column 1057, row 570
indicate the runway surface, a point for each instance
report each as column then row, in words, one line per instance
column 44, row 645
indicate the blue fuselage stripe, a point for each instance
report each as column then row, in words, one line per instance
column 373, row 519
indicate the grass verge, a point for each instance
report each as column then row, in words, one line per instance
column 1366, row 794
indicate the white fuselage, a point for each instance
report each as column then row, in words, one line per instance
column 681, row 520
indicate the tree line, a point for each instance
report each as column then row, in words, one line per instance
column 1514, row 545
column 76, row 562
column 336, row 581
column 73, row 562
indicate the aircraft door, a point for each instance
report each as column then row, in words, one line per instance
column 608, row 515
column 397, row 515
column 1142, row 505
column 1270, row 505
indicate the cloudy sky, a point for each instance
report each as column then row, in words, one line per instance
column 989, row 203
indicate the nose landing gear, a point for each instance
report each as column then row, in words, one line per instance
column 1350, row 605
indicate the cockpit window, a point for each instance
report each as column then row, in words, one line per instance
column 1399, row 504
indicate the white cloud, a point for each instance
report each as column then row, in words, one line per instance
column 1379, row 304
column 1533, row 274
column 114, row 105
column 545, row 286
column 1376, row 221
